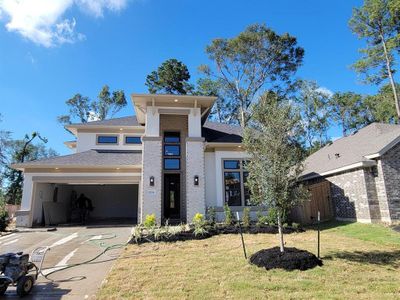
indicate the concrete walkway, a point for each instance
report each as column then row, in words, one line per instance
column 69, row 245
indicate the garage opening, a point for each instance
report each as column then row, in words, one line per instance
column 56, row 204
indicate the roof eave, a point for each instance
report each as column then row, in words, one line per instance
column 362, row 164
column 384, row 149
column 224, row 145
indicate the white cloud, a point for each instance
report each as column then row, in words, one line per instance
column 97, row 8
column 326, row 91
column 42, row 22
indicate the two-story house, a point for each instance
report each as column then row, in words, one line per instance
column 166, row 160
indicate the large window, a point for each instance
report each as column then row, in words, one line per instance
column 107, row 139
column 235, row 177
column 172, row 151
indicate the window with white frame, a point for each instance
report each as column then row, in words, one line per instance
column 235, row 177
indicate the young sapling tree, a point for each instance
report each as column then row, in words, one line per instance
column 272, row 139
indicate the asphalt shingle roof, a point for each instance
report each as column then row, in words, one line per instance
column 351, row 149
column 90, row 158
column 222, row 133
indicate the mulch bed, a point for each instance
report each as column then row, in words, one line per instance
column 291, row 259
column 216, row 230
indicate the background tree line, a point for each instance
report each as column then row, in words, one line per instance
column 242, row 69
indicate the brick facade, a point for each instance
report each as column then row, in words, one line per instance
column 150, row 202
column 391, row 178
column 195, row 194
column 369, row 194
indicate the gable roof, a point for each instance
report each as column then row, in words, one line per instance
column 355, row 150
column 90, row 159
column 215, row 132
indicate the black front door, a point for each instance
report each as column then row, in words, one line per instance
column 172, row 196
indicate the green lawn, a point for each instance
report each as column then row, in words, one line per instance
column 360, row 262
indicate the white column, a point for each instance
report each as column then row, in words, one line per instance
column 194, row 121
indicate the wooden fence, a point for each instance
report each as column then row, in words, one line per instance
column 320, row 200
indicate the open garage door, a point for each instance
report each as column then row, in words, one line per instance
column 113, row 203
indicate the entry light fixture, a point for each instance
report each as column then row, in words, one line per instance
column 176, row 100
column 196, row 180
column 151, row 180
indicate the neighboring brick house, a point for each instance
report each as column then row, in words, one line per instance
column 167, row 160
column 363, row 171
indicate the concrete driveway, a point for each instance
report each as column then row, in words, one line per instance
column 69, row 245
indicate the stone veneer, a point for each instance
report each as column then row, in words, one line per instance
column 150, row 202
column 195, row 194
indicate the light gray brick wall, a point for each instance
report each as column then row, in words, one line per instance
column 349, row 195
column 381, row 192
column 391, row 174
column 195, row 195
column 150, row 202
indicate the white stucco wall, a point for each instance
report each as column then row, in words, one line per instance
column 194, row 121
column 152, row 122
column 210, row 179
column 87, row 141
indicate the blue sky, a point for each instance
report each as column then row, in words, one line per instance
column 80, row 45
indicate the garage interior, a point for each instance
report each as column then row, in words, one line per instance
column 55, row 203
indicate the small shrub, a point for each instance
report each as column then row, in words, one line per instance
column 295, row 225
column 199, row 225
column 150, row 221
column 158, row 233
column 199, row 231
column 175, row 230
column 185, row 227
column 285, row 225
column 3, row 216
column 261, row 219
column 272, row 217
column 228, row 215
column 211, row 215
column 198, row 218
column 246, row 217
column 137, row 233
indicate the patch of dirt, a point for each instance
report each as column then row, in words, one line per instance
column 291, row 259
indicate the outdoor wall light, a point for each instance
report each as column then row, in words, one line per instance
column 151, row 180
column 196, row 180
